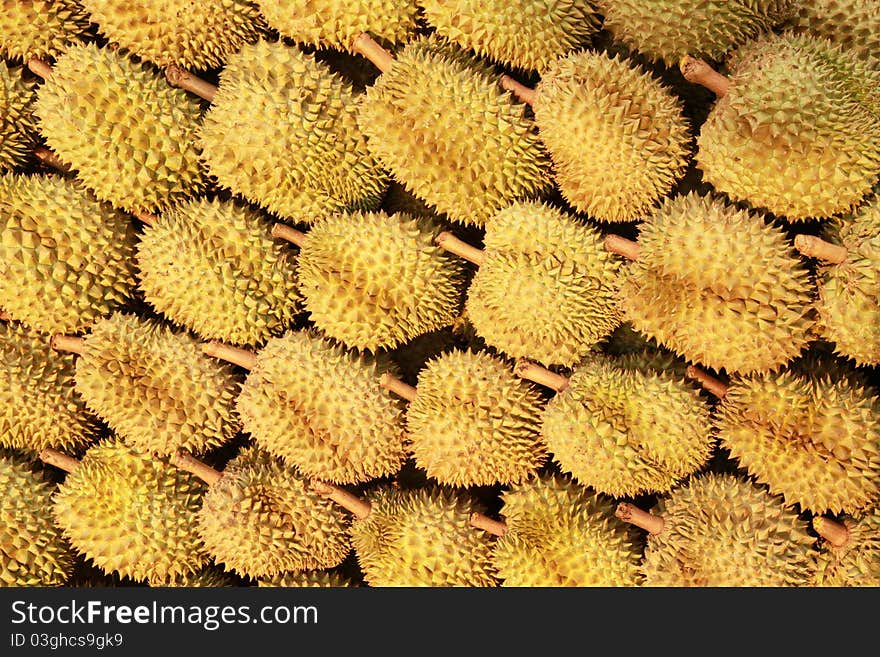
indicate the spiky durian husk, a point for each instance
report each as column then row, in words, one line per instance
column 473, row 423
column 561, row 534
column 18, row 128
column 208, row 577
column 285, row 106
column 547, row 287
column 65, row 257
column 198, row 35
column 813, row 153
column 858, row 562
column 722, row 530
column 815, row 442
column 130, row 136
column 853, row 23
column 38, row 404
column 375, row 281
column 32, row 549
column 307, row 578
column 322, row 409
column 155, row 387
column 669, row 29
column 626, row 432
column 442, row 125
column 398, row 199
column 132, row 514
column 422, row 537
column 719, row 286
column 214, row 267
column 618, row 137
column 262, row 519
column 524, row 34
column 40, row 28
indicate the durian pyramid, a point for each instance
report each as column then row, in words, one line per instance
column 66, row 259
column 297, row 149
column 857, row 561
column 307, row 578
column 40, row 28
column 213, row 267
column 18, row 127
column 853, row 23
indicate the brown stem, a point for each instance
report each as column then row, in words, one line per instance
column 398, row 387
column 59, row 460
column 815, row 247
column 381, row 58
column 487, row 524
column 526, row 369
column 449, row 242
column 699, row 72
column 145, row 217
column 360, row 508
column 635, row 516
column 292, row 235
column 622, row 247
column 203, row 471
column 833, row 532
column 241, row 357
column 39, row 67
column 709, row 383
column 177, row 77
column 61, row 342
column 518, row 89
column 49, row 158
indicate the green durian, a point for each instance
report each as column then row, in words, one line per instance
column 66, row 259
column 374, row 281
column 719, row 286
column 284, row 106
column 307, row 578
column 213, row 267
column 617, row 135
column 18, row 127
column 857, row 562
column 815, row 442
column 155, row 387
column 442, row 125
column 33, row 551
column 547, row 289
column 855, row 24
column 130, row 136
column 321, row 408
column 40, row 28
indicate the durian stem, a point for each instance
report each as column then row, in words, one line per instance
column 236, row 356
column 833, row 532
column 487, row 524
column 449, row 242
column 381, row 58
column 699, row 72
column 635, row 516
column 360, row 508
column 177, row 77
column 518, row 89
column 49, row 158
column 292, row 235
column 526, row 369
column 707, row 381
column 61, row 342
column 145, row 217
column 622, row 247
column 398, row 387
column 39, row 67
column 59, row 460
column 192, row 465
column 815, row 247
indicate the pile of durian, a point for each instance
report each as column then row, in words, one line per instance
column 422, row 293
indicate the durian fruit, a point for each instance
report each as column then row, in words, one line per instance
column 198, row 35
column 546, row 288
column 307, row 578
column 853, row 23
column 473, row 423
column 130, row 136
column 375, row 281
column 321, row 408
column 815, row 442
column 39, row 407
column 333, row 24
column 667, row 30
column 131, row 513
column 523, row 34
column 626, row 432
column 718, row 286
column 442, row 125
column 210, row 576
column 18, row 127
column 153, row 385
column 562, row 534
column 40, row 28
column 213, row 267
column 33, row 551
column 797, row 131
column 284, row 106
column 66, row 259
column 720, row 530
column 850, row 554
column 261, row 518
